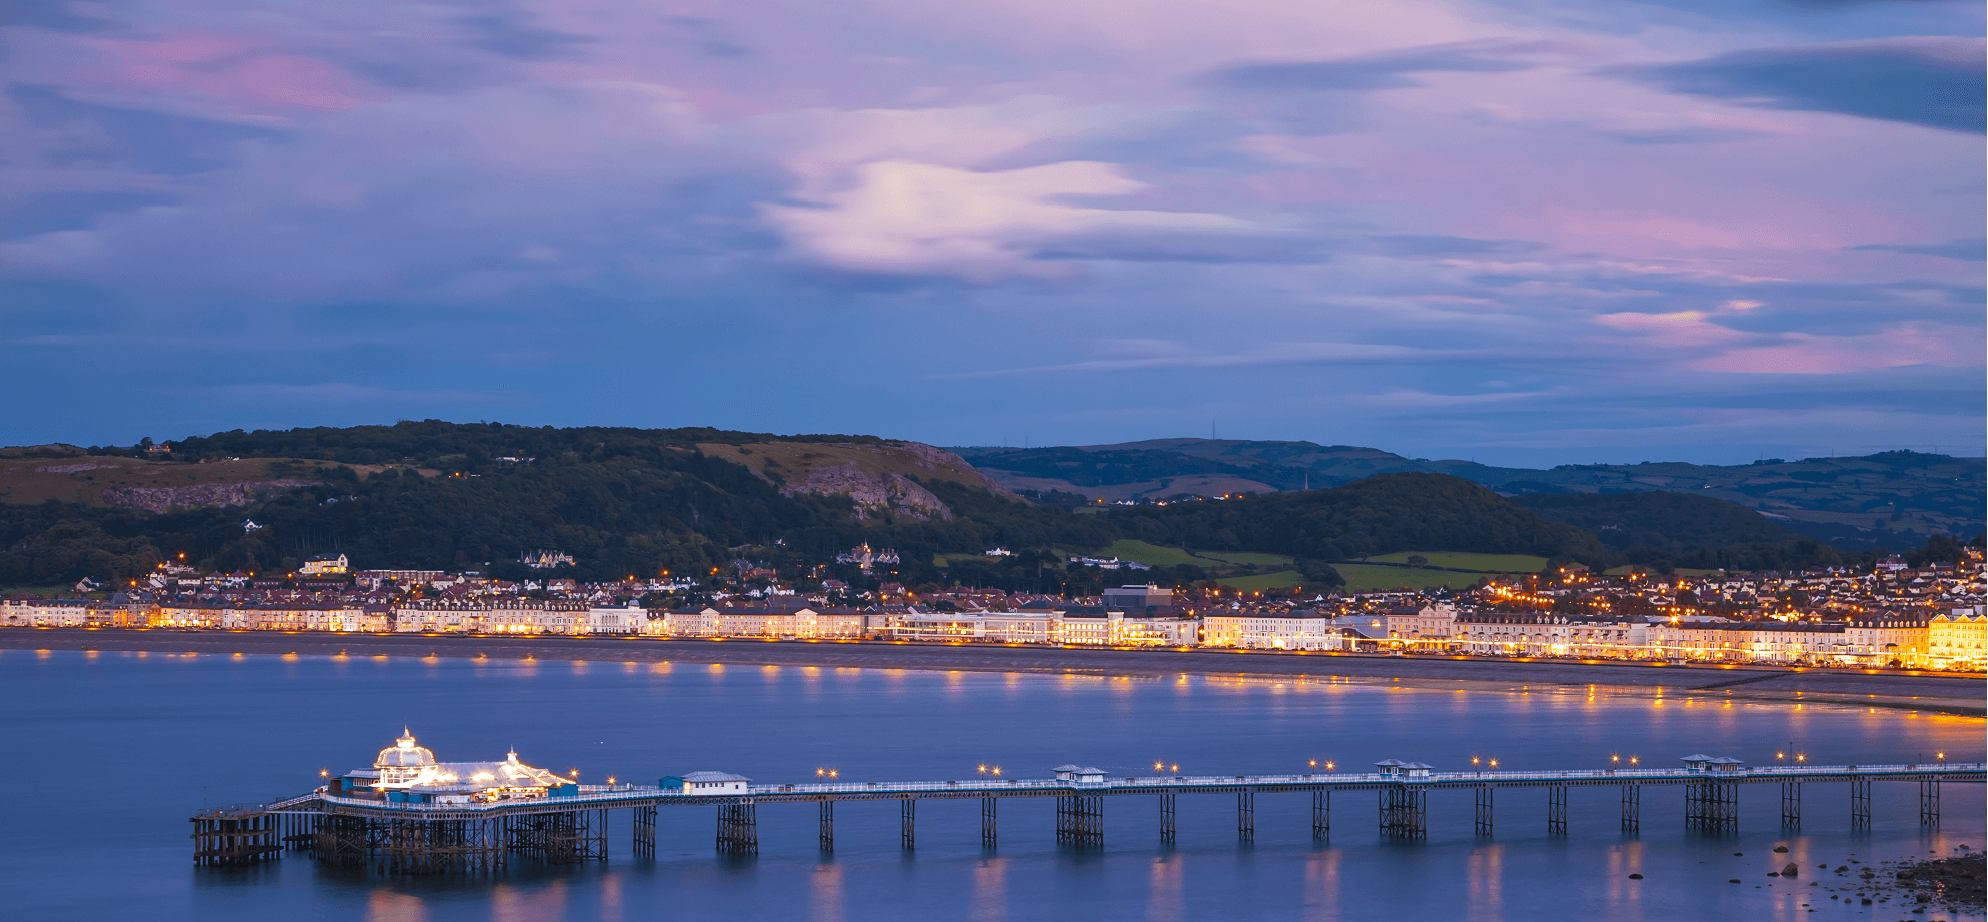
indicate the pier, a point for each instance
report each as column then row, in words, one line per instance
column 570, row 823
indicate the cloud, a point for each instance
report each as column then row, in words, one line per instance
column 1805, row 354
column 1146, row 355
column 1376, row 72
column 514, row 35
column 1935, row 81
column 1438, row 245
column 71, row 133
column 55, row 15
column 1973, row 249
column 906, row 217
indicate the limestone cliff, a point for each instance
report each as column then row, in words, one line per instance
column 871, row 475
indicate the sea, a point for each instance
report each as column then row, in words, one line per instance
column 107, row 754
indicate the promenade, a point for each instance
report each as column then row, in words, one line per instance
column 1933, row 692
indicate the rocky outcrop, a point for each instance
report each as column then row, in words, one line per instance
column 871, row 492
column 161, row 499
column 879, row 477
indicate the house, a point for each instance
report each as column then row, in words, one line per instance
column 326, row 565
column 708, row 783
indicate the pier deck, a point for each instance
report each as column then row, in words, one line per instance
column 467, row 837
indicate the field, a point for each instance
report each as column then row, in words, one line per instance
column 1681, row 571
column 1242, row 557
column 1282, row 579
column 1157, row 556
column 1151, row 554
column 1480, row 563
column 1362, row 578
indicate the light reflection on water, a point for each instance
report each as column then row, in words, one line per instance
column 123, row 748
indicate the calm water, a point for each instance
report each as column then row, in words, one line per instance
column 107, row 754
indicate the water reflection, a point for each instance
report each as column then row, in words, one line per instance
column 386, row 906
column 1321, row 897
column 825, row 892
column 1166, row 901
column 990, row 890
column 1485, row 883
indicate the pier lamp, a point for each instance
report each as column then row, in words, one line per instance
column 1801, row 757
column 1328, row 766
column 1158, row 765
column 997, row 771
column 983, row 769
column 1475, row 760
column 832, row 773
column 1632, row 760
column 1941, row 756
column 1615, row 759
column 1314, row 763
column 819, row 772
column 1779, row 756
column 1494, row 763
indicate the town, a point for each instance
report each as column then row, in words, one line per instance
column 1892, row 617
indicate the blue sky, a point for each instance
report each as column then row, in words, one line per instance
column 1527, row 232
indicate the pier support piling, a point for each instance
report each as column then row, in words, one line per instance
column 1167, row 816
column 1485, row 797
column 1404, row 812
column 827, row 834
column 1791, row 805
column 907, row 832
column 645, row 831
column 987, row 813
column 1321, row 815
column 1246, row 816
column 235, row 838
column 1556, row 810
column 1929, row 804
column 1632, row 808
column 1860, row 805
column 1080, row 820
column 738, row 829
column 1711, row 806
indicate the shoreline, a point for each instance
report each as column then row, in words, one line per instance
column 1953, row 694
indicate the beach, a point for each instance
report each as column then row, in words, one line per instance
column 1940, row 693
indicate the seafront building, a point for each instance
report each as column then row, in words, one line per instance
column 1893, row 617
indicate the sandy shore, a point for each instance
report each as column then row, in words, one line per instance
column 1942, row 693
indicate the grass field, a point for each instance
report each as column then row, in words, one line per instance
column 1482, row 563
column 1152, row 554
column 1361, row 578
column 1241, row 557
column 1625, row 571
column 1282, row 579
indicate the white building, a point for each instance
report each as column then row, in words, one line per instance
column 1298, row 629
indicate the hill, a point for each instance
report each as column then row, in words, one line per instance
column 1378, row 515
column 436, row 495
column 1679, row 529
column 1891, row 498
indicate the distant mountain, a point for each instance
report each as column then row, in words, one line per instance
column 1893, row 498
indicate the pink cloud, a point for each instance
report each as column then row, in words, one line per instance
column 1805, row 354
column 238, row 70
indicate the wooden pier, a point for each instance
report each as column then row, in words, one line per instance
column 358, row 830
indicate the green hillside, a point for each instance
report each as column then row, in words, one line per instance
column 437, row 495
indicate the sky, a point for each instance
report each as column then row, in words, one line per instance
column 1517, row 231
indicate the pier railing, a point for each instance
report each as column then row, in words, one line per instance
column 632, row 795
